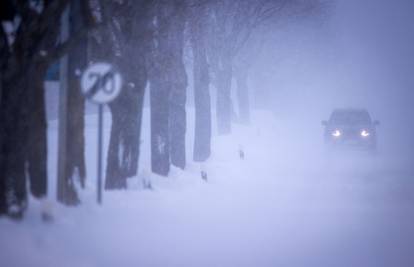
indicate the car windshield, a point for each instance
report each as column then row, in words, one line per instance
column 350, row 117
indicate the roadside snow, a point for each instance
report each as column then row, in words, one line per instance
column 284, row 204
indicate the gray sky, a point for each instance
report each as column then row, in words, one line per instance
column 360, row 55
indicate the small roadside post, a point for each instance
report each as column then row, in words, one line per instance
column 101, row 83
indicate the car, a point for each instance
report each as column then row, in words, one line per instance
column 351, row 128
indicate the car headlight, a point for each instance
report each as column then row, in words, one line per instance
column 336, row 133
column 365, row 133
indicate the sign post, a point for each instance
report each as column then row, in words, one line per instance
column 100, row 144
column 62, row 194
column 101, row 83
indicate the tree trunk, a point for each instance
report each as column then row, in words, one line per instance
column 123, row 145
column 160, row 146
column 13, row 133
column 166, row 96
column 37, row 135
column 177, row 80
column 126, row 48
column 24, row 138
column 77, row 61
column 243, row 95
column 23, row 135
column 224, row 103
column 202, row 135
column 126, row 110
column 4, row 51
column 14, row 149
column 3, row 203
column 74, row 167
column 123, row 153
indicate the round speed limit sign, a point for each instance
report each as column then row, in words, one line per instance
column 101, row 83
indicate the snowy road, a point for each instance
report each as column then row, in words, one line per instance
column 283, row 205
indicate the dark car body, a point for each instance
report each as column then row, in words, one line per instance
column 351, row 129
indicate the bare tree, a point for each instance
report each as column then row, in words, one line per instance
column 168, row 82
column 232, row 24
column 202, row 100
column 74, row 166
column 123, row 41
column 178, row 82
column 24, row 60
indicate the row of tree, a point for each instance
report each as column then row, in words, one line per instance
column 146, row 40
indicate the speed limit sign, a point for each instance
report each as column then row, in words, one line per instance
column 101, row 83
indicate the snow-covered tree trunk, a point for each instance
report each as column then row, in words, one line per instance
column 168, row 82
column 23, row 138
column 24, row 60
column 3, row 63
column 241, row 76
column 22, row 109
column 13, row 121
column 123, row 145
column 201, row 77
column 177, row 79
column 224, row 103
column 129, row 47
column 220, row 56
column 159, row 99
column 160, row 146
column 123, row 153
column 74, row 167
column 37, row 134
column 77, row 61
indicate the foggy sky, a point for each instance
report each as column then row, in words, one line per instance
column 358, row 55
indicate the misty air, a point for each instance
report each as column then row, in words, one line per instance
column 194, row 133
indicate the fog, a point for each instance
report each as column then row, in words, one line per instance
column 359, row 54
column 276, row 193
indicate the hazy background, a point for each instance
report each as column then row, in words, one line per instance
column 286, row 203
column 355, row 54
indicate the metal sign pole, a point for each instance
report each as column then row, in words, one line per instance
column 100, row 144
column 61, row 192
column 101, row 83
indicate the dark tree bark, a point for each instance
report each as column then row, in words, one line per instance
column 160, row 143
column 129, row 45
column 158, row 66
column 14, row 136
column 74, row 165
column 37, row 134
column 23, row 117
column 12, row 159
column 77, row 61
column 159, row 93
column 124, row 144
column 3, row 64
column 23, row 146
column 202, row 136
column 168, row 82
column 178, row 82
column 22, row 110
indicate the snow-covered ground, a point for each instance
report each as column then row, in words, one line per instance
column 284, row 204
